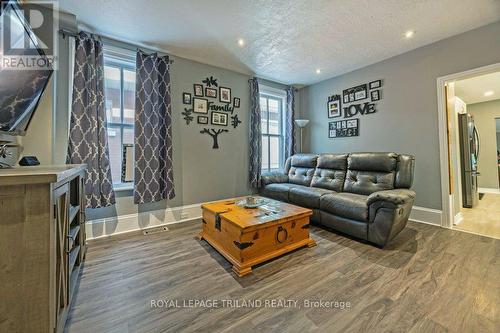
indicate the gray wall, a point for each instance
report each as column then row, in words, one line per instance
column 484, row 119
column 200, row 172
column 39, row 135
column 407, row 119
column 62, row 96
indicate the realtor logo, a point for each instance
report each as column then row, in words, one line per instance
column 29, row 34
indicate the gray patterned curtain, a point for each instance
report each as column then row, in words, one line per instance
column 88, row 141
column 255, row 135
column 154, row 180
column 290, row 122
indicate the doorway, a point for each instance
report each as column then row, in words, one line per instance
column 469, row 110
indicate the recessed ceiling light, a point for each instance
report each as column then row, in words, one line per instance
column 488, row 93
column 318, row 71
column 409, row 33
column 241, row 42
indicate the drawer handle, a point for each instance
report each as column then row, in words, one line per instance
column 242, row 246
column 217, row 221
column 281, row 229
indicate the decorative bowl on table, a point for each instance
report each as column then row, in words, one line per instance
column 252, row 202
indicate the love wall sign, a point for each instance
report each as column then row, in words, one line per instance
column 356, row 101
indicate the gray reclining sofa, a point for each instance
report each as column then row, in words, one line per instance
column 365, row 195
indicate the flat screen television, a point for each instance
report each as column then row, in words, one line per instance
column 20, row 89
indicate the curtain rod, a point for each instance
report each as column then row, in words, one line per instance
column 65, row 33
column 287, row 85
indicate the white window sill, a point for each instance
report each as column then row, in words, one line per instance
column 123, row 187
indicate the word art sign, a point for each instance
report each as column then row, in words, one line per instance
column 361, row 109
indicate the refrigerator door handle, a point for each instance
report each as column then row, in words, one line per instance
column 476, row 139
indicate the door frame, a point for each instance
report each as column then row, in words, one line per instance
column 446, row 197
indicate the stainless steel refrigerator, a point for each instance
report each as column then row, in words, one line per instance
column 469, row 154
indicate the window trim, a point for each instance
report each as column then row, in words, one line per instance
column 280, row 95
column 122, row 64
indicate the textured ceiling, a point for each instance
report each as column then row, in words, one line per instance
column 286, row 40
column 472, row 90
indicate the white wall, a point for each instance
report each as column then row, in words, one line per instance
column 458, row 107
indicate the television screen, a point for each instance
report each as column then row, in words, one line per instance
column 20, row 88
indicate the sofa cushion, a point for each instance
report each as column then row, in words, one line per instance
column 300, row 176
column 278, row 191
column 330, row 172
column 382, row 162
column 328, row 179
column 370, row 172
column 306, row 196
column 302, row 168
column 367, row 182
column 349, row 205
column 332, row 161
column 304, row 160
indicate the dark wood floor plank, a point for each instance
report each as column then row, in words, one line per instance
column 428, row 279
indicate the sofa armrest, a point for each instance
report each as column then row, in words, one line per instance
column 396, row 196
column 270, row 177
column 388, row 214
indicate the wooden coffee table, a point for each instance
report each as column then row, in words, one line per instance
column 249, row 236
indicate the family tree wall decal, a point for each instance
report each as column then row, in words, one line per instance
column 215, row 135
column 211, row 112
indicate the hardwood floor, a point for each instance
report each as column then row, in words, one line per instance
column 429, row 279
column 483, row 219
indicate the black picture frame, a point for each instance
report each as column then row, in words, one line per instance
column 211, row 92
column 361, row 94
column 198, row 90
column 343, row 128
column 202, row 120
column 334, row 106
column 186, row 98
column 356, row 93
column 375, row 95
column 236, row 102
column 201, row 101
column 218, row 114
column 375, row 84
column 222, row 97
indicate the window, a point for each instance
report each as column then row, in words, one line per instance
column 271, row 108
column 119, row 85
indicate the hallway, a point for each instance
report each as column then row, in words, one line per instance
column 483, row 219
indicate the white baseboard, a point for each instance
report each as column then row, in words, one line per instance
column 458, row 218
column 426, row 215
column 111, row 226
column 488, row 190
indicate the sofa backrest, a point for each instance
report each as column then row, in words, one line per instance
column 360, row 173
column 404, row 171
column 301, row 169
column 330, row 172
column 370, row 172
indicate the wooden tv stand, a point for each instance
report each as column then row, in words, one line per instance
column 42, row 245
